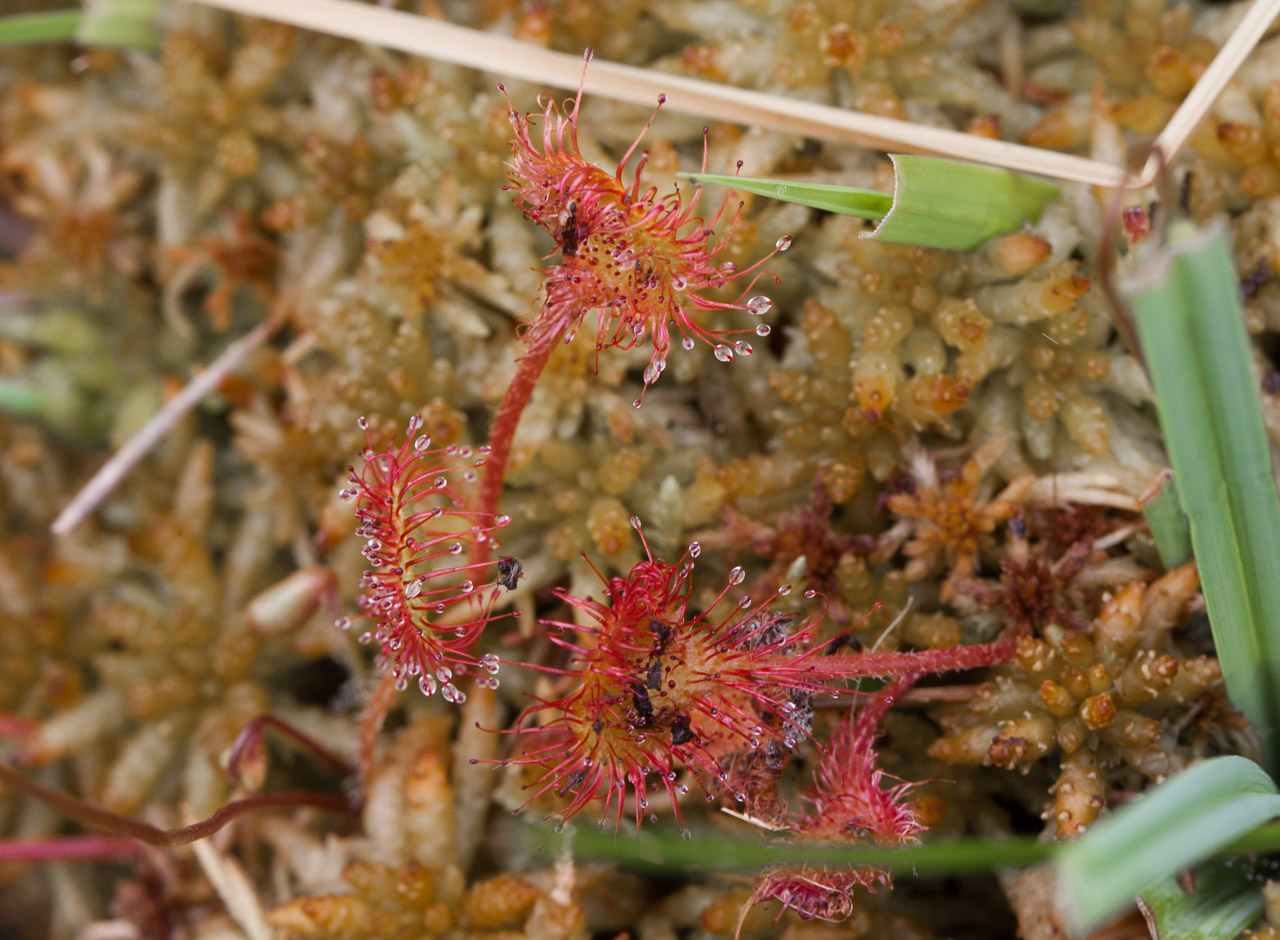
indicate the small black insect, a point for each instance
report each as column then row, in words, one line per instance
column 681, row 733
column 654, row 679
column 846, row 639
column 569, row 233
column 509, row 572
column 644, row 707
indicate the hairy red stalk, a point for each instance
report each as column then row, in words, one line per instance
column 505, row 422
column 104, row 820
column 425, row 608
column 372, row 719
column 864, row 664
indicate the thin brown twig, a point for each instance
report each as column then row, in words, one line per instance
column 108, row 821
column 134, row 449
column 250, row 737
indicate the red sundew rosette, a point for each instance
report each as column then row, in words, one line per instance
column 426, row 610
column 656, row 690
column 633, row 258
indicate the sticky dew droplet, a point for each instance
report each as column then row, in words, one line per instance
column 724, row 353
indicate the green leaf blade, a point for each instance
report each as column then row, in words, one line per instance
column 124, row 24
column 30, row 28
column 1169, row 525
column 1191, row 326
column 935, row 204
column 958, row 206
column 845, row 200
column 1224, row 901
column 1182, row 822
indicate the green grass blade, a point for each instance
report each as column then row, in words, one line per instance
column 1191, row 326
column 1169, row 525
column 846, row 200
column 667, row 851
column 935, row 204
column 29, row 28
column 1226, row 899
column 1174, row 826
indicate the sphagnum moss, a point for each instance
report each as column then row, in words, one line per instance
column 941, row 433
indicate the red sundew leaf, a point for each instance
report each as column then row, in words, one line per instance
column 816, row 892
column 849, row 796
column 1136, row 224
column 426, row 609
column 637, row 260
column 658, row 690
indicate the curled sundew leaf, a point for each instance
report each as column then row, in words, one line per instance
column 935, row 203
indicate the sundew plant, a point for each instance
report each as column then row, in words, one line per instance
column 446, row 500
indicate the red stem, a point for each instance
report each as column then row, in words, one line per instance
column 507, row 418
column 15, row 726
column 371, row 722
column 250, row 739
column 860, row 665
column 105, row 820
column 68, row 849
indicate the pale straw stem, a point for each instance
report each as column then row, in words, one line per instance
column 509, row 57
column 1201, row 98
column 134, row 449
column 504, row 56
